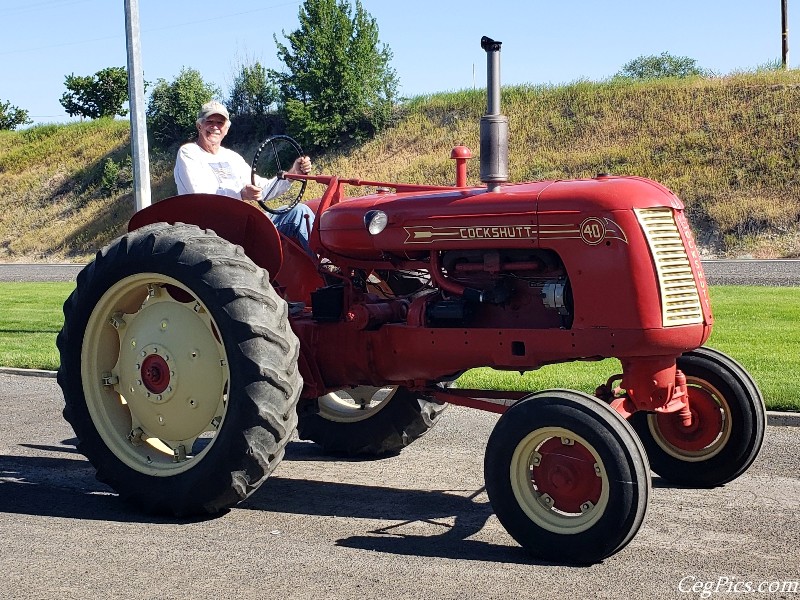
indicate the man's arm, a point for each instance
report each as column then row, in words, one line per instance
column 265, row 184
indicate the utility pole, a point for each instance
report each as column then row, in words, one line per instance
column 141, row 159
column 785, row 34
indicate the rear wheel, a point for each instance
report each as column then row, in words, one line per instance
column 727, row 429
column 368, row 420
column 567, row 477
column 178, row 369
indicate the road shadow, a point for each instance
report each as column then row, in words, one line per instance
column 425, row 523
column 65, row 487
column 59, row 487
column 448, row 517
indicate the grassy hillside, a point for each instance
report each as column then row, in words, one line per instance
column 727, row 146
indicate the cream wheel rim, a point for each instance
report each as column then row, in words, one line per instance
column 155, row 374
column 355, row 404
column 559, row 480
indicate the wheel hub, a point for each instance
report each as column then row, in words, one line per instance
column 705, row 428
column 566, row 476
column 155, row 373
column 559, row 480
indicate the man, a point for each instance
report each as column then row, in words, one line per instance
column 205, row 167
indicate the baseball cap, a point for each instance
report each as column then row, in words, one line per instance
column 212, row 108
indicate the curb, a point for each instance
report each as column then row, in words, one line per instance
column 783, row 419
column 28, row 372
column 774, row 418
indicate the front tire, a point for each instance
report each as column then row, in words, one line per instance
column 179, row 370
column 566, row 477
column 368, row 421
column 728, row 425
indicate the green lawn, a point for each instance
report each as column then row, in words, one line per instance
column 759, row 326
column 30, row 319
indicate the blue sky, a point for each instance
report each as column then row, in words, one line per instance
column 435, row 43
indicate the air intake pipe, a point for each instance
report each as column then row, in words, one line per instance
column 494, row 126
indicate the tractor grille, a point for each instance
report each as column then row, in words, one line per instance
column 680, row 302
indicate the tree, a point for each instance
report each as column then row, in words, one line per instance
column 12, row 117
column 252, row 104
column 98, row 95
column 339, row 85
column 172, row 110
column 253, row 92
column 657, row 67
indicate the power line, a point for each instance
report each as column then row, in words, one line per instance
column 27, row 7
column 216, row 19
column 24, row 50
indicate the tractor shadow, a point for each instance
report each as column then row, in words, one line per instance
column 424, row 523
column 62, row 484
column 448, row 518
column 58, row 485
column 416, row 522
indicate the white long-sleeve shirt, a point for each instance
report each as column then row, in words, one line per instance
column 224, row 173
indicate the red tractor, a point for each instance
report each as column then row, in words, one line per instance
column 195, row 345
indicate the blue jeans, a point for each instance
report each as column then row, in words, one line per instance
column 296, row 223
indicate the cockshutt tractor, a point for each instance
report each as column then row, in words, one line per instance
column 195, row 345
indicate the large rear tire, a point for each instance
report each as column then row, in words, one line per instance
column 368, row 421
column 567, row 477
column 179, row 370
column 727, row 430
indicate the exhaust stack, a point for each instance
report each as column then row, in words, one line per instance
column 494, row 126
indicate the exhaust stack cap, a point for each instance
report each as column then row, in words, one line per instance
column 494, row 126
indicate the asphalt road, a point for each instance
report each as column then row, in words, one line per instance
column 417, row 525
column 718, row 272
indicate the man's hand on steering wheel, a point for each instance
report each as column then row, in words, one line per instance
column 301, row 166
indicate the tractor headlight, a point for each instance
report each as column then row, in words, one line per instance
column 375, row 221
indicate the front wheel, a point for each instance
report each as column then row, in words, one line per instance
column 178, row 369
column 567, row 477
column 727, row 429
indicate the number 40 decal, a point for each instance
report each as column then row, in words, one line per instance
column 593, row 231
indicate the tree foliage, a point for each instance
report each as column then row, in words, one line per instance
column 660, row 66
column 253, row 93
column 12, row 117
column 172, row 110
column 98, row 95
column 252, row 104
column 338, row 85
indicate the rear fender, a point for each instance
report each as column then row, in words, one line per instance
column 236, row 221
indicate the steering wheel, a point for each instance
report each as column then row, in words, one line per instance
column 280, row 148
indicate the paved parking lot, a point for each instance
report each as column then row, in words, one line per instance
column 417, row 525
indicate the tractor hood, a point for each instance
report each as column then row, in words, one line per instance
column 520, row 215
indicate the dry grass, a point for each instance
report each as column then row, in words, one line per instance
column 50, row 203
column 728, row 146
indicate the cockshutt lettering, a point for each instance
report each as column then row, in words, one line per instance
column 498, row 232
